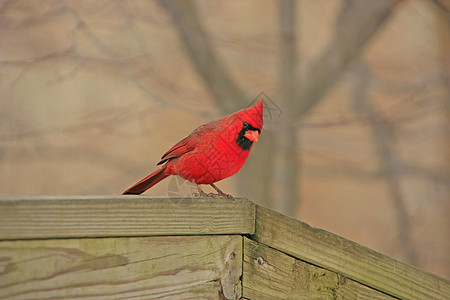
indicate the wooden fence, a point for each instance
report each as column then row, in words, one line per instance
column 128, row 247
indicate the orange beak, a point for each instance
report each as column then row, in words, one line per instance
column 252, row 135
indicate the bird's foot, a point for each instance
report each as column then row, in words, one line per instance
column 200, row 193
column 222, row 194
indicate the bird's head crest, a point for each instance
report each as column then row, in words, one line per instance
column 253, row 115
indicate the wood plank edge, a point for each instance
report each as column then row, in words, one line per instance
column 256, row 237
column 114, row 206
column 248, row 242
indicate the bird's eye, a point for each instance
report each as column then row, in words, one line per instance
column 245, row 124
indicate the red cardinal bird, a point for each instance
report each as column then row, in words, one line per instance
column 212, row 152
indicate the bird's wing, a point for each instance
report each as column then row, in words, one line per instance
column 189, row 143
column 182, row 147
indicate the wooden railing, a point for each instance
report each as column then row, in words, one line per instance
column 128, row 247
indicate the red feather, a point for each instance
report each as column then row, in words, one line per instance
column 147, row 182
column 189, row 143
column 212, row 152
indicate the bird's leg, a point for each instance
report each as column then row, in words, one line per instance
column 200, row 192
column 222, row 194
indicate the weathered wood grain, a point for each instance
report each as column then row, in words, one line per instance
column 111, row 217
column 271, row 274
column 107, row 216
column 182, row 267
column 354, row 261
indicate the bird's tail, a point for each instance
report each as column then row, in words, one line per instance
column 147, row 182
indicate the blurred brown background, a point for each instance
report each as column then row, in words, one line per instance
column 356, row 137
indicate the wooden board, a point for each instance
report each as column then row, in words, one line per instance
column 354, row 261
column 131, row 216
column 271, row 274
column 107, row 216
column 183, row 267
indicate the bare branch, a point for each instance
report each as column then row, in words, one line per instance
column 389, row 160
column 110, row 125
column 443, row 7
column 123, row 65
column 286, row 140
column 359, row 20
column 227, row 93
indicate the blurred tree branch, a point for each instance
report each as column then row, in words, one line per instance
column 357, row 23
column 287, row 165
column 390, row 162
column 440, row 4
column 443, row 29
column 439, row 178
column 227, row 94
column 114, row 58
